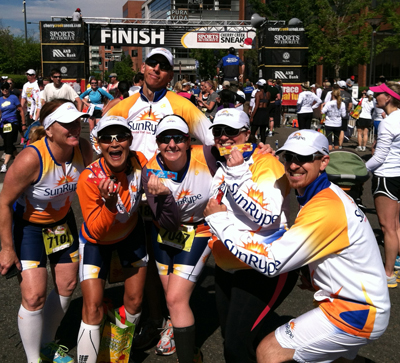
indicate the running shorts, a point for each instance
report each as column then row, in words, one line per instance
column 315, row 339
column 29, row 245
column 386, row 186
column 364, row 123
column 186, row 264
column 95, row 259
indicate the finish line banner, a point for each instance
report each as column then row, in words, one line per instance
column 179, row 37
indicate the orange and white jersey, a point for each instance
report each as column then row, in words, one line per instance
column 100, row 225
column 49, row 198
column 257, row 202
column 192, row 191
column 143, row 117
column 333, row 236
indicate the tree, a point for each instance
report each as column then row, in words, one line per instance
column 124, row 69
column 208, row 60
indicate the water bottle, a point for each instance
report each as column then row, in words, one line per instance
column 276, row 144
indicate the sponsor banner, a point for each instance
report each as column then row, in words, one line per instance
column 62, row 53
column 286, row 74
column 173, row 36
column 63, row 32
column 290, row 93
column 283, row 37
column 283, row 56
column 68, row 70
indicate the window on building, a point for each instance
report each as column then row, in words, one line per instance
column 105, row 64
column 134, row 53
column 107, row 47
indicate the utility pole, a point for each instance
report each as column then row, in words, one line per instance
column 24, row 11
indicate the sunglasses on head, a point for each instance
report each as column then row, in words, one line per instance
column 301, row 159
column 108, row 139
column 228, row 131
column 164, row 66
column 178, row 139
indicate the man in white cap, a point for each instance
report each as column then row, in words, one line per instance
column 30, row 97
column 144, row 109
column 334, row 238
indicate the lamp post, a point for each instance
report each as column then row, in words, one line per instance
column 374, row 22
column 24, row 11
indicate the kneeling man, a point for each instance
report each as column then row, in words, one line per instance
column 334, row 238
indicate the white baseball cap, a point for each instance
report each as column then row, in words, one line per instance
column 165, row 52
column 370, row 93
column 64, row 114
column 172, row 122
column 231, row 117
column 342, row 84
column 306, row 142
column 261, row 82
column 30, row 71
column 110, row 121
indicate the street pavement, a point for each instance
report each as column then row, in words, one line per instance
column 203, row 301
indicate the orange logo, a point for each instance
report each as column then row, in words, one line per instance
column 146, row 116
column 133, row 188
column 65, row 180
column 256, row 247
column 257, row 196
column 292, row 325
column 184, row 193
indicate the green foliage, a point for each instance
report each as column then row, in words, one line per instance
column 387, row 11
column 208, row 60
column 124, row 69
column 16, row 56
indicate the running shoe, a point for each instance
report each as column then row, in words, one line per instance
column 359, row 148
column 3, row 168
column 148, row 333
column 55, row 353
column 270, row 134
column 397, row 273
column 166, row 345
column 391, row 281
column 397, row 263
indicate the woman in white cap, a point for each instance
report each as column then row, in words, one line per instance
column 385, row 165
column 38, row 224
column 365, row 121
column 177, row 183
column 109, row 191
column 257, row 202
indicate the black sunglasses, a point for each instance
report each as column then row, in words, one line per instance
column 227, row 131
column 108, row 139
column 57, row 77
column 178, row 139
column 164, row 66
column 301, row 159
column 28, row 74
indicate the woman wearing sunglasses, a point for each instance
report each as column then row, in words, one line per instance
column 37, row 224
column 211, row 104
column 256, row 201
column 177, row 182
column 109, row 195
column 385, row 165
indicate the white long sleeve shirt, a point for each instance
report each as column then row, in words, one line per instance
column 386, row 160
column 367, row 107
column 333, row 113
column 307, row 102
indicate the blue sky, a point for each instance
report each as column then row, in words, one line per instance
column 11, row 14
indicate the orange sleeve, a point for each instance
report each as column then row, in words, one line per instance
column 142, row 159
column 97, row 217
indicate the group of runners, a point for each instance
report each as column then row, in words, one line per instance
column 226, row 197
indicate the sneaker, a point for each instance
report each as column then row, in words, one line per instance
column 397, row 263
column 3, row 168
column 166, row 345
column 397, row 273
column 363, row 148
column 270, row 134
column 55, row 353
column 391, row 281
column 359, row 148
column 198, row 356
column 148, row 333
column 340, row 147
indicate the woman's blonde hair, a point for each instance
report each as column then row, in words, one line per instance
column 36, row 134
column 338, row 97
column 178, row 86
column 395, row 87
column 306, row 85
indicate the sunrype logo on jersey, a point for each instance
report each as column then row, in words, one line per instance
column 253, row 203
column 186, row 197
column 146, row 122
column 255, row 255
column 66, row 184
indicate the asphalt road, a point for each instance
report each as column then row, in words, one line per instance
column 384, row 350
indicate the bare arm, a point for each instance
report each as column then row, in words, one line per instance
column 79, row 102
column 23, row 172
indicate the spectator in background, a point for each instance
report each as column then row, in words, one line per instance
column 365, row 121
column 113, row 85
column 239, row 93
column 77, row 15
column 306, row 103
column 182, row 88
column 259, row 85
column 196, row 90
column 235, row 98
column 327, row 88
column 13, row 90
column 346, row 98
column 210, row 105
column 77, row 86
column 59, row 90
column 278, row 103
column 29, row 97
column 137, row 83
column 121, row 93
column 232, row 66
column 274, row 96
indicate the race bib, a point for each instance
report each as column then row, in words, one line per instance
column 57, row 238
column 7, row 128
column 182, row 239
